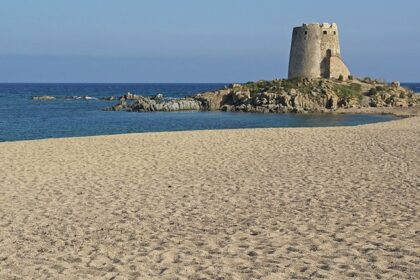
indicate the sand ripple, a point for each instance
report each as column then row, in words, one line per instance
column 239, row 204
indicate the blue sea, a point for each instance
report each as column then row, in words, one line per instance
column 22, row 118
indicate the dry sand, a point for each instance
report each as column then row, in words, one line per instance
column 234, row 204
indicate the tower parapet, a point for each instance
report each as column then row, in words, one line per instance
column 315, row 52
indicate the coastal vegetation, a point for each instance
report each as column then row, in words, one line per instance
column 349, row 91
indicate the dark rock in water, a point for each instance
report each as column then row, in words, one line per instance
column 121, row 106
column 43, row 98
column 80, row 98
column 109, row 98
column 48, row 98
column 130, row 96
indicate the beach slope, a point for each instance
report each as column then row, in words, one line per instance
column 234, row 204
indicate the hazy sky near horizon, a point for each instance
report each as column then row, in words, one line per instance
column 196, row 41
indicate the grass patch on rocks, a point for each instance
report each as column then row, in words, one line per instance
column 349, row 91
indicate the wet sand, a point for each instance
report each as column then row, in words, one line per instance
column 404, row 112
column 235, row 204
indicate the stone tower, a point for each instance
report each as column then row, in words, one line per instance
column 315, row 52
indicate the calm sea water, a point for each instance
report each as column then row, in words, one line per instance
column 22, row 118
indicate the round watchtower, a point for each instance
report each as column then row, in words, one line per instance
column 315, row 52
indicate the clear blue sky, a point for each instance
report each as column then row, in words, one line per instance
column 196, row 40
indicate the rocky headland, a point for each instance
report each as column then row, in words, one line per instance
column 283, row 96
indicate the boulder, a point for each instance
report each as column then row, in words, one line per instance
column 284, row 100
column 395, row 84
column 400, row 102
column 241, row 96
column 365, row 101
column 292, row 91
column 270, row 97
column 158, row 97
column 231, row 86
column 129, row 96
column 108, row 98
column 121, row 106
column 227, row 108
column 213, row 101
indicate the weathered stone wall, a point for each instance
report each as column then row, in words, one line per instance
column 305, row 54
column 338, row 68
column 329, row 39
column 314, row 52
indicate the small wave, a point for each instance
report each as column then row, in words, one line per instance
column 90, row 98
column 81, row 98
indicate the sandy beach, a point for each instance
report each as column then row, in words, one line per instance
column 301, row 203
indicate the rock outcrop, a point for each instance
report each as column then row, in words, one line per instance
column 154, row 104
column 43, row 98
column 75, row 98
column 281, row 96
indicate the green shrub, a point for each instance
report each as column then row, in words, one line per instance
column 291, row 83
column 372, row 92
column 351, row 78
column 349, row 91
column 380, row 88
column 341, row 78
column 368, row 80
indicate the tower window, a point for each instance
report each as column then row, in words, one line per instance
column 306, row 32
column 325, row 32
column 335, row 32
